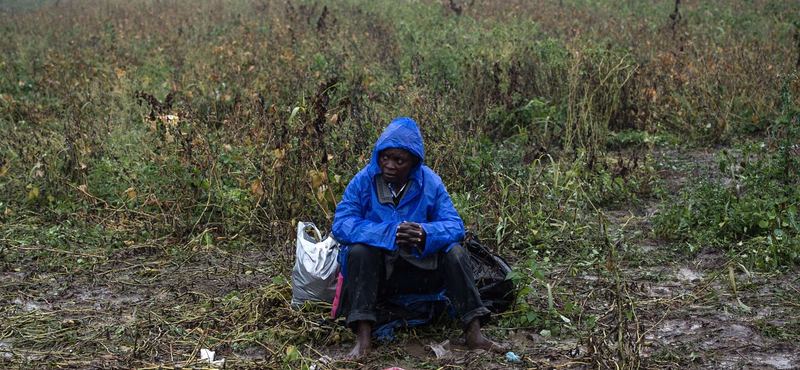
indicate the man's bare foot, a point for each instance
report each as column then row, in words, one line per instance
column 363, row 342
column 476, row 340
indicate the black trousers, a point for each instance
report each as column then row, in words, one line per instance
column 366, row 282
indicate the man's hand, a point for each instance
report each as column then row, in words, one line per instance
column 411, row 234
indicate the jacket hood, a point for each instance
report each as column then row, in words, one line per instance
column 402, row 133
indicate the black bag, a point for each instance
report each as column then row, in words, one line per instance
column 490, row 270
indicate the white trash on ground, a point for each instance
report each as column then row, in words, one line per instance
column 208, row 356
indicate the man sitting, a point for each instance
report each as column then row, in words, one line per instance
column 401, row 235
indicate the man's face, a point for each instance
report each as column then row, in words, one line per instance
column 395, row 164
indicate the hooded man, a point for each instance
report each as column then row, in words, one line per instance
column 401, row 235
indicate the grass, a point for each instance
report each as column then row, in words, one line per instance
column 163, row 153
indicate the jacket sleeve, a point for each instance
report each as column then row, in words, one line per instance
column 350, row 226
column 445, row 227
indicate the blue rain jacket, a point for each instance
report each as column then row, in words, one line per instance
column 360, row 218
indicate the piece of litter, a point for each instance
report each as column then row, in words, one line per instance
column 324, row 360
column 394, row 368
column 441, row 350
column 512, row 357
column 208, row 355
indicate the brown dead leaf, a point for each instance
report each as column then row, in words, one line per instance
column 257, row 188
column 651, row 95
column 151, row 200
column 317, row 178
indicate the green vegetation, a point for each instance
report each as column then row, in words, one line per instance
column 152, row 137
column 754, row 213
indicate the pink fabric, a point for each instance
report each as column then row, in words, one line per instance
column 339, row 283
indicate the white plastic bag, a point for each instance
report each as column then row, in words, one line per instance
column 315, row 267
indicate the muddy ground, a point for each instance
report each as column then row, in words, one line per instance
column 157, row 305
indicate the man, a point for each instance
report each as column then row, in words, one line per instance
column 401, row 235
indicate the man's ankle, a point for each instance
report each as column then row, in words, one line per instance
column 363, row 331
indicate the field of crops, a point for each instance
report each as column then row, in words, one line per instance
column 636, row 162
